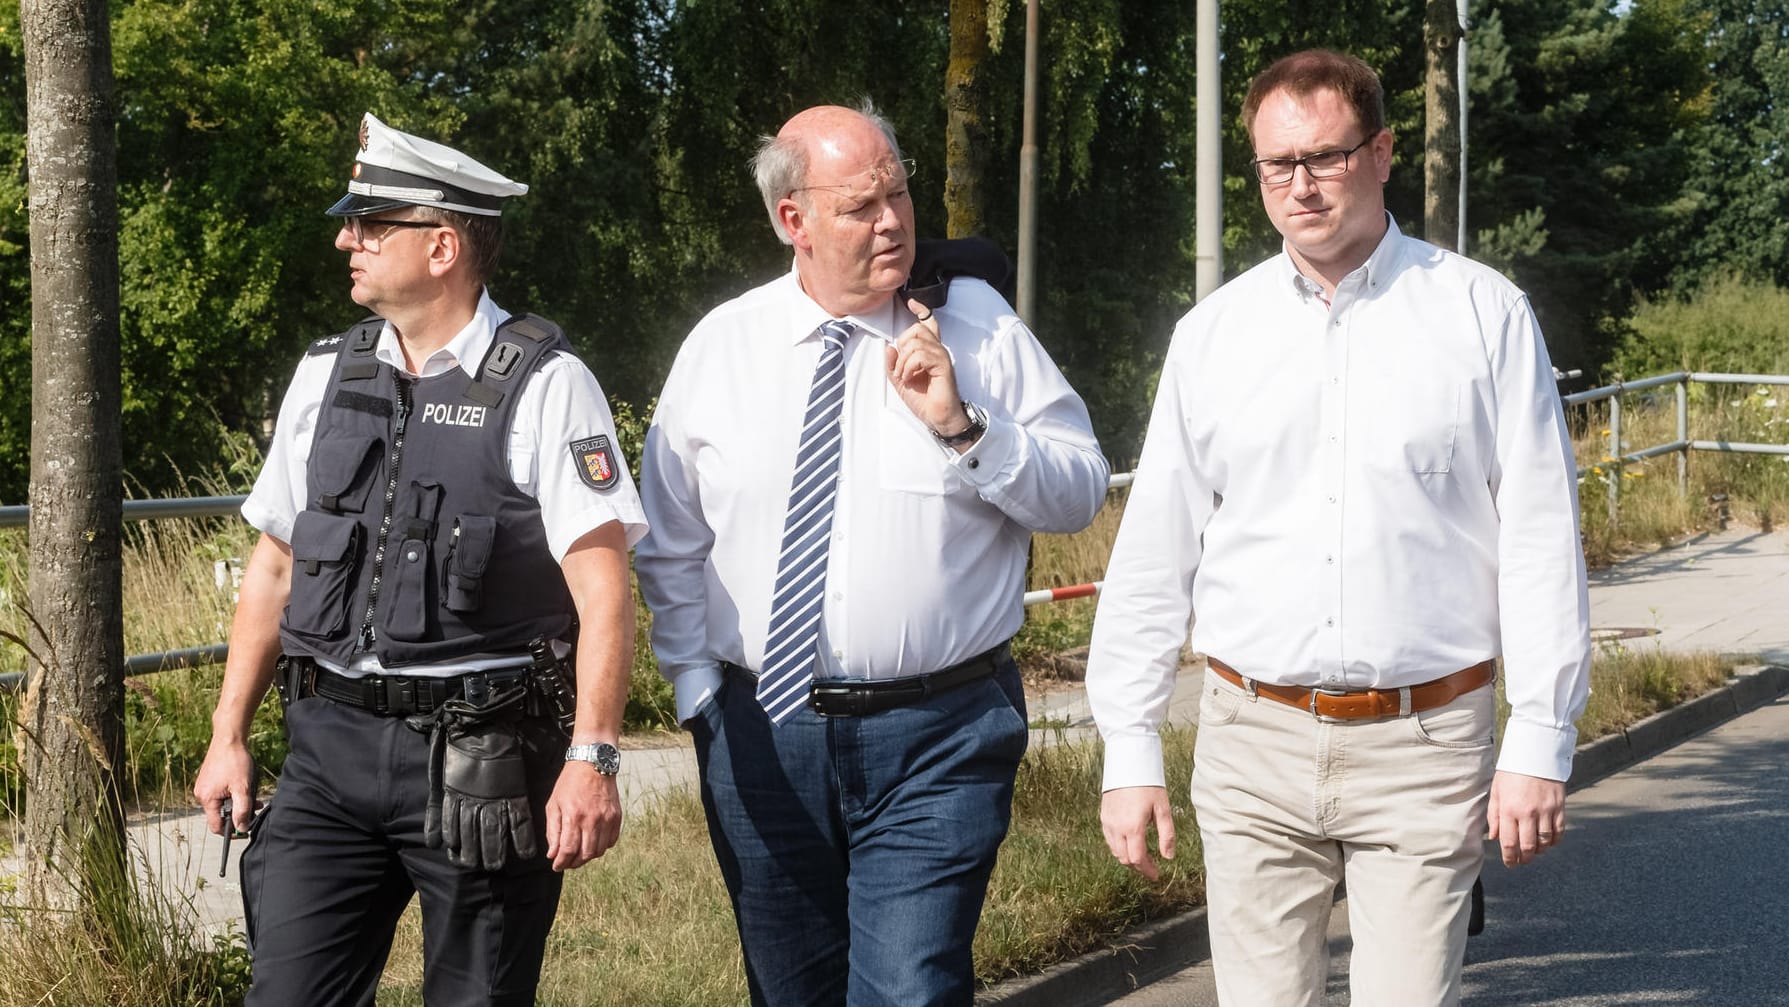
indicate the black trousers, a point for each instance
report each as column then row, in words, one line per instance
column 338, row 854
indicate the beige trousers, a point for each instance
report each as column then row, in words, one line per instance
column 1289, row 805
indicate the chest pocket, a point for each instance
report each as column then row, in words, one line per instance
column 1413, row 427
column 911, row 460
column 341, row 471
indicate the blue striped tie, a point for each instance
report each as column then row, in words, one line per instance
column 789, row 649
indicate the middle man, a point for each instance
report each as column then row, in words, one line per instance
column 842, row 487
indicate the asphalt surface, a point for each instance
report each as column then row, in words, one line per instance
column 1673, row 884
column 1672, row 888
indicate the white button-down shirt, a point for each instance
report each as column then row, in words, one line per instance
column 561, row 403
column 927, row 562
column 1367, row 494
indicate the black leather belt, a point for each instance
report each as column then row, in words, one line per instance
column 392, row 695
column 861, row 698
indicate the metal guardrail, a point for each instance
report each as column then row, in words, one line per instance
column 192, row 657
column 144, row 510
column 1683, row 445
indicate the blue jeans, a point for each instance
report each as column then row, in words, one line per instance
column 857, row 850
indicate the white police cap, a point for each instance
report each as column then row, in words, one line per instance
column 397, row 169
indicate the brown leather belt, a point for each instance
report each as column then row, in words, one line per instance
column 1365, row 704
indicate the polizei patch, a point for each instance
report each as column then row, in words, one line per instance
column 596, row 461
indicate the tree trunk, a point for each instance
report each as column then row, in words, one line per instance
column 72, row 717
column 965, row 132
column 1441, row 135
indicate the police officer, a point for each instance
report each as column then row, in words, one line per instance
column 445, row 524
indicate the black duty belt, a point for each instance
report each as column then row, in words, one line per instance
column 861, row 698
column 393, row 695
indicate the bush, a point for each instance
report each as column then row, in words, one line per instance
column 1728, row 324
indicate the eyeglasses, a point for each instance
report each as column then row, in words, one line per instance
column 370, row 234
column 1322, row 164
column 893, row 174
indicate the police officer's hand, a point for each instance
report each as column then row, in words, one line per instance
column 1126, row 814
column 921, row 371
column 583, row 816
column 1526, row 816
column 227, row 771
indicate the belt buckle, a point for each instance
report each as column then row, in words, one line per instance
column 820, row 695
column 1319, row 690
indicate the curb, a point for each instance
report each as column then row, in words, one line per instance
column 1158, row 949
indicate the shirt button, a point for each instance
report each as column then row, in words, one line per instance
column 838, row 596
column 1329, row 622
column 1332, row 499
column 1334, row 380
column 412, row 556
column 1330, row 560
column 975, row 463
column 839, row 654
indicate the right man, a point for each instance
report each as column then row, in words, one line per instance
column 1358, row 477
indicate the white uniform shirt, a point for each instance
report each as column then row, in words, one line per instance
column 561, row 403
column 1366, row 495
column 927, row 562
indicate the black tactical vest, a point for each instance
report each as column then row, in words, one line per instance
column 415, row 544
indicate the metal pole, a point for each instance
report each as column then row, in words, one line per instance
column 1614, row 464
column 1208, row 181
column 1460, row 243
column 1683, row 437
column 1028, row 175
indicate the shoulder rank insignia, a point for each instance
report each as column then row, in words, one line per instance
column 328, row 344
column 596, row 462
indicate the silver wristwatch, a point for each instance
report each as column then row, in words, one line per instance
column 604, row 756
column 978, row 425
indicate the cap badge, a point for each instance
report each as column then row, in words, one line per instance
column 363, row 133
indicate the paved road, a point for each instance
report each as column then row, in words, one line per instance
column 1674, row 885
column 1725, row 592
column 1673, row 888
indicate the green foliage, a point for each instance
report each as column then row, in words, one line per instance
column 1739, row 192
column 1728, row 324
column 1579, row 155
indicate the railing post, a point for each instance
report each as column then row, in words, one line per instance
column 1683, row 437
column 1613, row 467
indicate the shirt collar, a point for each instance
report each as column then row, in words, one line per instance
column 1379, row 266
column 806, row 316
column 466, row 349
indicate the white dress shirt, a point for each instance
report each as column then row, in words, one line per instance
column 927, row 561
column 560, row 403
column 1369, row 494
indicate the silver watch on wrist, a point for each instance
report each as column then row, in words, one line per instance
column 604, row 756
column 978, row 425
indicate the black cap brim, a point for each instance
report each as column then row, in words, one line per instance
column 356, row 205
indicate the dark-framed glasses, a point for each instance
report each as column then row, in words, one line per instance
column 894, row 174
column 370, row 234
column 1322, row 164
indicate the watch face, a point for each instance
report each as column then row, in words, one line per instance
column 608, row 760
column 605, row 757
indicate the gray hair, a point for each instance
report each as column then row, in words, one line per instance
column 780, row 165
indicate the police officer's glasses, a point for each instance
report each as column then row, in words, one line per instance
column 368, row 235
column 1322, row 164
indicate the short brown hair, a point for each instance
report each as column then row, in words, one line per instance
column 1304, row 73
column 482, row 235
